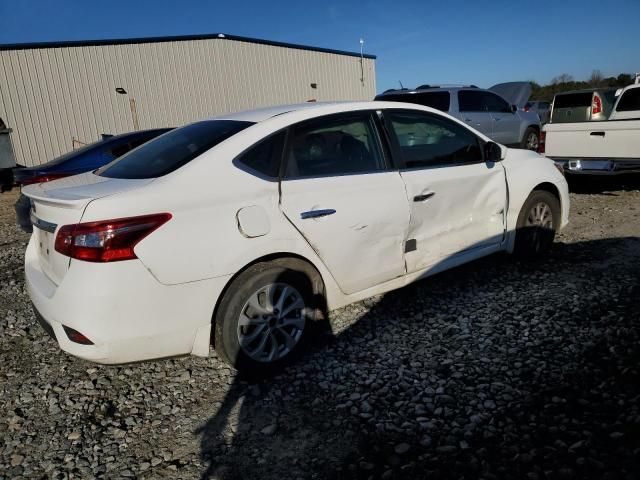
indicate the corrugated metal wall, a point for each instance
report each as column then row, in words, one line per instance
column 50, row 96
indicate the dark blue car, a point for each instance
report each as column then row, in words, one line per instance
column 83, row 160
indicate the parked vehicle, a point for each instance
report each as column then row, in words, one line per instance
column 590, row 105
column 7, row 160
column 627, row 104
column 244, row 229
column 497, row 112
column 542, row 108
column 82, row 160
column 599, row 148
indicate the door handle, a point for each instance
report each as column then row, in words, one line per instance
column 317, row 213
column 423, row 197
column 597, row 134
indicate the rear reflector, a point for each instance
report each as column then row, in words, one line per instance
column 108, row 240
column 42, row 178
column 541, row 142
column 76, row 337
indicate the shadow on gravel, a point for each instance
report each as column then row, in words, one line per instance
column 603, row 184
column 497, row 369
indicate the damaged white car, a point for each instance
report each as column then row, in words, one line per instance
column 242, row 230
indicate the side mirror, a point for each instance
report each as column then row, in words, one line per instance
column 514, row 108
column 492, row 152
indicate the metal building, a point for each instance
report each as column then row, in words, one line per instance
column 58, row 96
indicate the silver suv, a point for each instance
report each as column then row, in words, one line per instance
column 497, row 112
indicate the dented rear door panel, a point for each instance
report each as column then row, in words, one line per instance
column 361, row 225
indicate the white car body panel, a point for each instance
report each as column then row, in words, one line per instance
column 162, row 303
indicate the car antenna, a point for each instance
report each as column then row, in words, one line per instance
column 401, row 86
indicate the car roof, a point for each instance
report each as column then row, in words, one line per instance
column 261, row 114
column 586, row 90
column 427, row 89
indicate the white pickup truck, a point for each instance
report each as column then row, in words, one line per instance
column 608, row 147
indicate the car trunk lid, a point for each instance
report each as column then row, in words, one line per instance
column 63, row 202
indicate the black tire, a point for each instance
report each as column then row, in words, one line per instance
column 292, row 272
column 533, row 240
column 530, row 139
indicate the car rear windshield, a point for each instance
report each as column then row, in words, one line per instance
column 171, row 151
column 438, row 100
column 573, row 100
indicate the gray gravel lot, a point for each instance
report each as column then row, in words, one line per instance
column 498, row 369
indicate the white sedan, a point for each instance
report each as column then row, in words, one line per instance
column 242, row 230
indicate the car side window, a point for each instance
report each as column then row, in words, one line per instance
column 334, row 145
column 428, row 140
column 494, row 103
column 470, row 101
column 629, row 101
column 264, row 157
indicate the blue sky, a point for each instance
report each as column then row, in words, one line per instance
column 481, row 42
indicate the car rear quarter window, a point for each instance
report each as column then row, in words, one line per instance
column 629, row 101
column 264, row 157
column 171, row 151
column 573, row 100
column 428, row 140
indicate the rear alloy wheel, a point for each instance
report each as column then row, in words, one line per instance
column 265, row 315
column 271, row 322
column 531, row 139
column 537, row 224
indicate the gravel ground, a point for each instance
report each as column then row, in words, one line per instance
column 498, row 369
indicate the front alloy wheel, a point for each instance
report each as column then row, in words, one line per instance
column 537, row 224
column 541, row 216
column 532, row 142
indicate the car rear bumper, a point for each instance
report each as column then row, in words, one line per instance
column 120, row 307
column 598, row 166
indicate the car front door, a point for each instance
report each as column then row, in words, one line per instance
column 506, row 122
column 340, row 193
column 458, row 201
column 473, row 111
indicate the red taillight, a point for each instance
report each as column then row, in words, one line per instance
column 596, row 105
column 43, row 178
column 542, row 141
column 108, row 240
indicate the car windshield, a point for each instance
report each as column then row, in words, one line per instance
column 172, row 150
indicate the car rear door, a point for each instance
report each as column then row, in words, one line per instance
column 340, row 193
column 473, row 111
column 457, row 199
